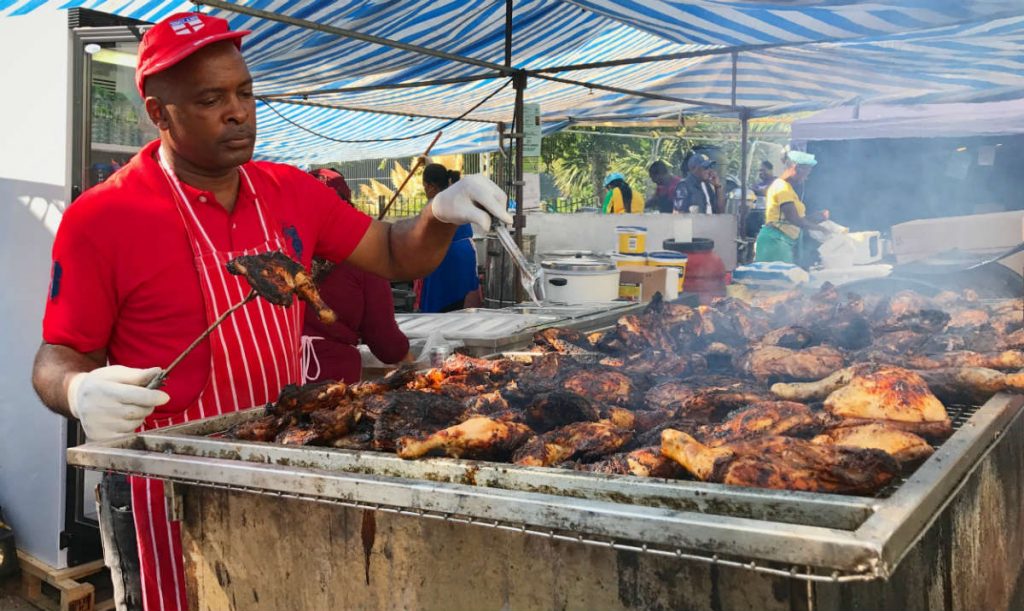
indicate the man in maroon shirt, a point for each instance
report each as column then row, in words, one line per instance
column 138, row 266
column 365, row 309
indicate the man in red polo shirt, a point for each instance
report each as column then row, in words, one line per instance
column 139, row 267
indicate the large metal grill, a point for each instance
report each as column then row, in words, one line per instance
column 815, row 537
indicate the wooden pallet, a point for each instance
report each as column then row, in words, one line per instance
column 39, row 581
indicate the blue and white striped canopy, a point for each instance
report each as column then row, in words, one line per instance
column 787, row 55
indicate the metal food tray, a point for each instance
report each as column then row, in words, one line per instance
column 810, row 536
column 485, row 332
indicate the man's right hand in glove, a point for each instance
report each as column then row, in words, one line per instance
column 113, row 401
column 474, row 199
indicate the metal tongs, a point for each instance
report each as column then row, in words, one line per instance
column 530, row 273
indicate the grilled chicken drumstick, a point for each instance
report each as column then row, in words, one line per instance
column 275, row 277
column 783, row 463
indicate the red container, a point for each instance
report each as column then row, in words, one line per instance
column 705, row 271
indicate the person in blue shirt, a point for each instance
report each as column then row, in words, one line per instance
column 454, row 285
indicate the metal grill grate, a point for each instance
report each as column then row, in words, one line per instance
column 959, row 415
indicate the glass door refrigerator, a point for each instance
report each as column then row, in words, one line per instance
column 109, row 125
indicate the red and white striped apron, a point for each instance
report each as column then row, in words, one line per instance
column 253, row 355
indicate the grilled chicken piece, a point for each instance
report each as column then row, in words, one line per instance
column 904, row 446
column 902, row 304
column 1009, row 360
column 750, row 321
column 409, row 414
column 580, row 440
column 405, row 374
column 712, row 401
column 898, row 343
column 968, row 317
column 331, row 424
column 1013, row 341
column 460, row 364
column 563, row 341
column 275, row 276
column 479, row 437
column 298, row 435
column 764, row 418
column 645, row 462
column 669, row 396
column 559, row 408
column 638, row 334
column 775, row 363
column 602, row 386
column 970, row 385
column 310, row 397
column 896, row 396
column 919, row 321
column 952, row 385
column 260, row 429
column 622, row 418
column 819, row 390
column 1007, row 316
column 783, row 463
column 792, row 337
column 847, row 328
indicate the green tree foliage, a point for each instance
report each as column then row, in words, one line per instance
column 578, row 160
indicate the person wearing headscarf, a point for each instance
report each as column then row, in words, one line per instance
column 620, row 198
column 785, row 214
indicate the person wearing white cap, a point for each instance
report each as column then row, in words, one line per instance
column 621, row 199
column 785, row 214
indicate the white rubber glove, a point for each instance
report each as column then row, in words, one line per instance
column 113, row 401
column 473, row 199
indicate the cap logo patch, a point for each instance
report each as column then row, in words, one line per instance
column 187, row 25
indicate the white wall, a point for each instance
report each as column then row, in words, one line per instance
column 34, row 142
column 591, row 231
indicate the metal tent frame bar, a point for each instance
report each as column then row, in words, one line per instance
column 410, row 85
column 397, row 113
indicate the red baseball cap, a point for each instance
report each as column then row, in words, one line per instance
column 175, row 38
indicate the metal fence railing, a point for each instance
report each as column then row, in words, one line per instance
column 564, row 205
column 403, row 206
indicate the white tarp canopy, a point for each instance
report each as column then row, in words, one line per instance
column 915, row 121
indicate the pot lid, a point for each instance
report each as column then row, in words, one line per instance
column 578, row 265
column 570, row 254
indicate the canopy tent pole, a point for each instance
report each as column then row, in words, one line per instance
column 508, row 33
column 519, row 82
column 329, row 29
column 735, row 67
column 744, row 162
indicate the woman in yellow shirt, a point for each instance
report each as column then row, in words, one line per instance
column 785, row 215
column 621, row 199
